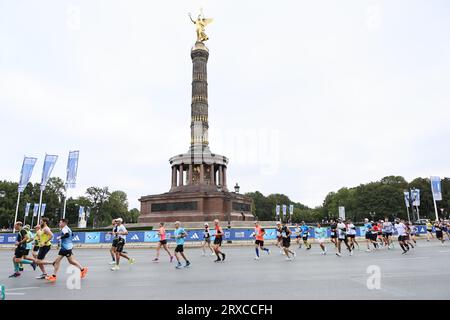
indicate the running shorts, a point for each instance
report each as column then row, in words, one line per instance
column 19, row 253
column 439, row 234
column 260, row 243
column 305, row 238
column 401, row 238
column 207, row 240
column 114, row 243
column 120, row 245
column 286, row 242
column 65, row 253
column 351, row 236
column 179, row 248
column 218, row 241
column 35, row 248
column 163, row 241
column 43, row 252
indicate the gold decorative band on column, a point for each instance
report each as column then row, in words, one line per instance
column 199, row 99
column 199, row 118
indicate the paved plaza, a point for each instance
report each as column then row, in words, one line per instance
column 421, row 274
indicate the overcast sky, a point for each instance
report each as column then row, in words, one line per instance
column 305, row 97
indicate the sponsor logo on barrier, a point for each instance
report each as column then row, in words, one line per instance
column 12, row 239
column 2, row 239
column 151, row 236
column 194, row 236
column 108, row 237
column 135, row 237
column 227, row 234
column 92, row 237
column 239, row 234
column 76, row 238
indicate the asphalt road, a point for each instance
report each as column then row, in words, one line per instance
column 421, row 274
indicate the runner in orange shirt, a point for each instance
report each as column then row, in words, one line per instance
column 259, row 242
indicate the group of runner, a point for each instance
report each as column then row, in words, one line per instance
column 378, row 234
column 40, row 244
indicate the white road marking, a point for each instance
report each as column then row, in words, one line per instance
column 25, row 288
column 15, row 293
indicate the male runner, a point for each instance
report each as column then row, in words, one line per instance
column 259, row 240
column 438, row 231
column 45, row 244
column 342, row 237
column 321, row 234
column 401, row 230
column 305, row 235
column 333, row 232
column 298, row 235
column 179, row 235
column 112, row 250
column 368, row 235
column 162, row 243
column 121, row 233
column 218, row 241
column 37, row 228
column 386, row 230
column 279, row 243
column 351, row 234
column 286, row 234
column 20, row 251
column 66, row 251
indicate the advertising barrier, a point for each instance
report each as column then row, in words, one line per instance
column 234, row 234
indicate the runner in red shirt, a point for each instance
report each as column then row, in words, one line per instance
column 218, row 241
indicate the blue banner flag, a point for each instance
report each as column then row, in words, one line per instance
column 49, row 164
column 27, row 209
column 436, row 188
column 284, row 209
column 72, row 167
column 88, row 212
column 43, row 209
column 277, row 209
column 25, row 173
column 81, row 212
column 415, row 197
column 407, row 200
column 35, row 209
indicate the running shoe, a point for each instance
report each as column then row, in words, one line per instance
column 42, row 276
column 34, row 265
column 155, row 260
column 178, row 266
column 187, row 264
column 256, row 258
column 351, row 252
column 268, row 251
column 115, row 268
column 213, row 254
column 112, row 263
column 132, row 261
column 84, row 272
column 338, row 254
column 288, row 259
column 368, row 250
column 218, row 260
column 50, row 278
column 295, row 254
column 15, row 275
column 223, row 256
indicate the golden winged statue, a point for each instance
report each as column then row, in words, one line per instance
column 200, row 25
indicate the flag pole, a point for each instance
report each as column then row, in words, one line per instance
column 407, row 211
column 65, row 203
column 32, row 219
column 435, row 209
column 17, row 210
column 40, row 204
